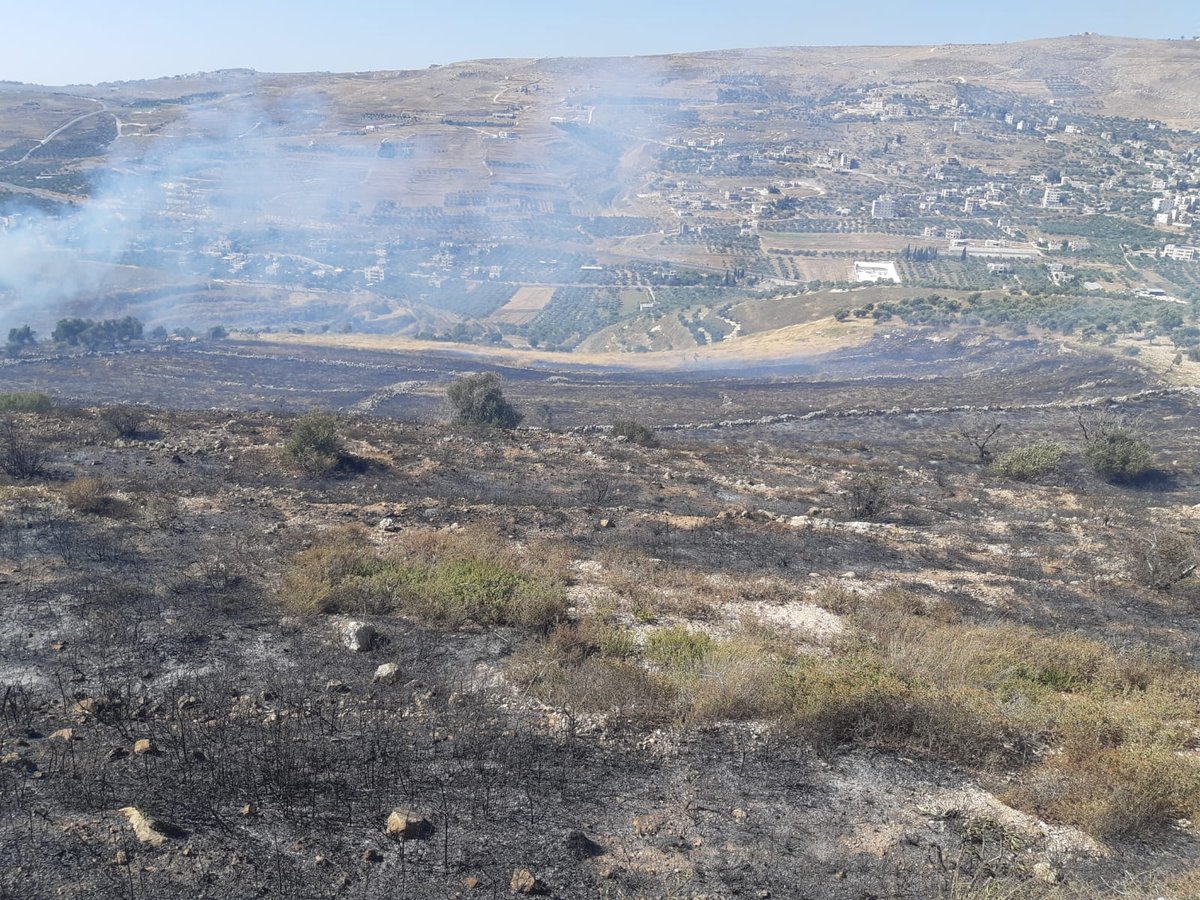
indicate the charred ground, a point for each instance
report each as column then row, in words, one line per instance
column 149, row 588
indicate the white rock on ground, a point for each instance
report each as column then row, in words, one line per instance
column 358, row 636
column 388, row 673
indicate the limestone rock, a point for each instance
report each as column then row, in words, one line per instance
column 358, row 636
column 388, row 673
column 524, row 882
column 404, row 825
column 1044, row 873
column 154, row 832
column 17, row 761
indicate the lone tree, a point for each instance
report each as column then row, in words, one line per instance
column 979, row 434
column 20, row 337
column 478, row 400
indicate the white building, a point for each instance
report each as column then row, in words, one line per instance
column 1051, row 197
column 1181, row 253
column 883, row 208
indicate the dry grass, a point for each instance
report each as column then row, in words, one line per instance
column 87, row 495
column 1099, row 736
column 447, row 579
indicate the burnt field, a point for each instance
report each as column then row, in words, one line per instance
column 902, row 370
column 831, row 652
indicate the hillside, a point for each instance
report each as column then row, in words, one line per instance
column 613, row 205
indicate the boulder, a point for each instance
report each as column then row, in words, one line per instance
column 358, row 636
column 154, row 832
column 524, row 882
column 406, row 825
column 388, row 673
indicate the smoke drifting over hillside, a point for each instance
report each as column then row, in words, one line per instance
column 165, row 210
column 387, row 212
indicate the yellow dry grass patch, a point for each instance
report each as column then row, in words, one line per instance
column 821, row 336
column 524, row 306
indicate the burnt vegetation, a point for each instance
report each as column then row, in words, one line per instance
column 318, row 655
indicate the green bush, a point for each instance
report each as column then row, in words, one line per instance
column 1028, row 463
column 634, row 432
column 314, row 445
column 1117, row 454
column 478, row 400
column 27, row 401
column 445, row 580
column 677, row 647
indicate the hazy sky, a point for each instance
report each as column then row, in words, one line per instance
column 73, row 41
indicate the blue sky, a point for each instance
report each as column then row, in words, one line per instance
column 73, row 41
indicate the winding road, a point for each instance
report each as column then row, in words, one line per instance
column 103, row 110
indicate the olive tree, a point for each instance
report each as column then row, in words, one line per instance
column 478, row 400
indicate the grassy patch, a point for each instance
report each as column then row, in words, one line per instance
column 25, row 401
column 447, row 580
column 1096, row 735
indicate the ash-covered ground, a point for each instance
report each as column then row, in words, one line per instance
column 144, row 582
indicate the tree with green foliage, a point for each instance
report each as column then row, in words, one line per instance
column 314, row 445
column 21, row 336
column 67, row 331
column 75, row 332
column 1113, row 448
column 634, row 432
column 478, row 400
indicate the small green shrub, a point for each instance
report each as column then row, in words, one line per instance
column 478, row 400
column 1118, row 455
column 1028, row 463
column 634, row 433
column 677, row 648
column 315, row 445
column 26, row 401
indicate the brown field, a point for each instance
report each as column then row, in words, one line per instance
column 526, row 303
column 834, row 242
column 805, row 268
